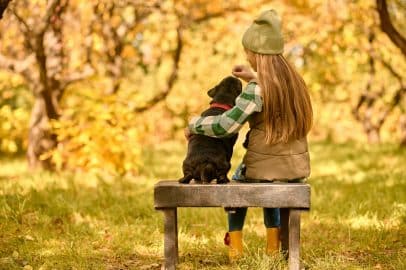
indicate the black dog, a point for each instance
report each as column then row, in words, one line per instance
column 209, row 158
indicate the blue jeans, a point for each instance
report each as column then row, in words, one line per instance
column 236, row 220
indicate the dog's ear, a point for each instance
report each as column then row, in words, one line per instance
column 212, row 92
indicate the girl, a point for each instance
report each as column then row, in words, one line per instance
column 277, row 106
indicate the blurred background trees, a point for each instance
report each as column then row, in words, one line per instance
column 89, row 84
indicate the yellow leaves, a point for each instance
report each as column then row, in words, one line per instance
column 9, row 146
column 7, row 94
column 6, row 126
column 57, row 158
column 128, row 14
column 13, row 128
column 349, row 34
column 97, row 130
column 98, row 136
column 128, row 52
column 316, row 87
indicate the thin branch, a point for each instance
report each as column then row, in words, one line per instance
column 18, row 66
column 21, row 67
column 366, row 96
column 176, row 59
column 26, row 28
column 392, row 70
column 395, row 101
column 388, row 28
column 172, row 77
column 57, row 55
column 43, row 26
column 216, row 14
column 77, row 76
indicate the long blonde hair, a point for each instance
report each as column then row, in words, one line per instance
column 288, row 113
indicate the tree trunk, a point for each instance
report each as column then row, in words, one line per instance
column 3, row 6
column 373, row 136
column 402, row 126
column 41, row 138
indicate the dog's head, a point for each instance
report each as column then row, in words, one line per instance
column 226, row 91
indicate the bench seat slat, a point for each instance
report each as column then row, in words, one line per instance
column 273, row 195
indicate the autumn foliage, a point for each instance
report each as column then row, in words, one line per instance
column 89, row 84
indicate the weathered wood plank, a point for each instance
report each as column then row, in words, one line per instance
column 170, row 238
column 294, row 239
column 271, row 195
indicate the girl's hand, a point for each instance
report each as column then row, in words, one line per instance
column 243, row 72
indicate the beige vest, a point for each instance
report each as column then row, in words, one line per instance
column 282, row 161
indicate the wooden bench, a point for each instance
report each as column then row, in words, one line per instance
column 291, row 198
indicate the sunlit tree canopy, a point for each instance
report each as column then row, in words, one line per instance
column 87, row 84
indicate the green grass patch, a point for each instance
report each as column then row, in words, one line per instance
column 87, row 221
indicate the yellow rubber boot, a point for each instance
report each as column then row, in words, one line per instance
column 234, row 241
column 272, row 243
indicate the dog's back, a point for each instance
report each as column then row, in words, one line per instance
column 209, row 158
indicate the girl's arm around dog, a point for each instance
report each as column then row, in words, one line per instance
column 231, row 121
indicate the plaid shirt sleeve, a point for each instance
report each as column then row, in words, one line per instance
column 231, row 121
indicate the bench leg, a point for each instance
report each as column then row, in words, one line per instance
column 294, row 239
column 171, row 238
column 284, row 230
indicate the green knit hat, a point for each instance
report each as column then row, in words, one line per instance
column 264, row 36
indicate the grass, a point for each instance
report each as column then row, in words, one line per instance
column 88, row 221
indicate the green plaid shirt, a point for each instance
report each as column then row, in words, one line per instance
column 231, row 121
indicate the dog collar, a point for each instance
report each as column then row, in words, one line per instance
column 220, row 105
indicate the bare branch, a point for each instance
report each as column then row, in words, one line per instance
column 172, row 77
column 77, row 76
column 392, row 70
column 216, row 14
column 388, row 28
column 43, row 26
column 17, row 66
column 21, row 67
column 397, row 97
column 402, row 127
column 366, row 96
column 26, row 29
column 176, row 58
